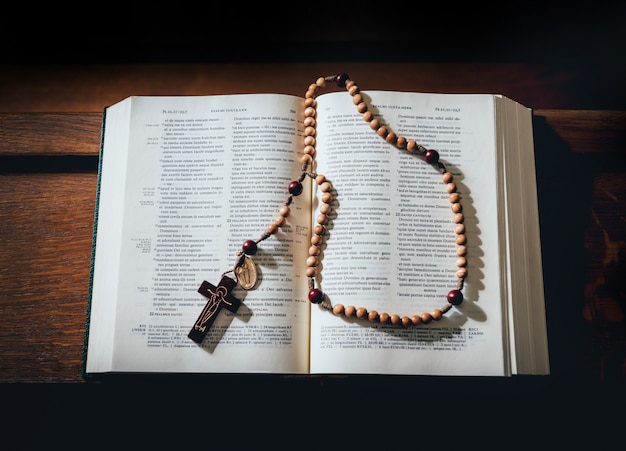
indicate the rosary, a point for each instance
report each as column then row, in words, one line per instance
column 245, row 271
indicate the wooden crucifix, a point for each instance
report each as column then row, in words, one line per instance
column 219, row 297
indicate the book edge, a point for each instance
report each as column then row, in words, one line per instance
column 94, row 234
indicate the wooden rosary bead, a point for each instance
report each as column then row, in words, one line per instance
column 391, row 138
column 284, row 211
column 279, row 221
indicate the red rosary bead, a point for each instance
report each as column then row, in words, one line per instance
column 295, row 188
column 431, row 156
column 455, row 297
column 316, row 296
column 249, row 247
column 341, row 80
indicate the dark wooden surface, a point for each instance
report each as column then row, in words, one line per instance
column 47, row 194
column 51, row 100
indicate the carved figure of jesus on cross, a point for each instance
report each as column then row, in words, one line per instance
column 219, row 297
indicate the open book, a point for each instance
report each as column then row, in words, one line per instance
column 185, row 180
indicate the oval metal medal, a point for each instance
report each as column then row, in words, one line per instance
column 246, row 273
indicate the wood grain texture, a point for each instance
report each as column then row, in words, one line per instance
column 46, row 223
column 90, row 88
column 596, row 131
column 50, row 134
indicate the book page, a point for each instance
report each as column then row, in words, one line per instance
column 194, row 178
column 523, row 245
column 391, row 243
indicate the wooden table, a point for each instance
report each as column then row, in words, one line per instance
column 50, row 118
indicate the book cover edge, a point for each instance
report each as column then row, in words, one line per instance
column 94, row 234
